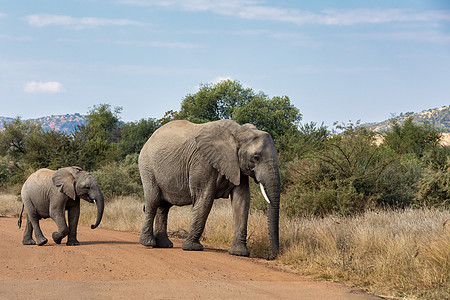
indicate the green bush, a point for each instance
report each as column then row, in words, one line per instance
column 412, row 138
column 350, row 175
column 397, row 184
column 120, row 179
column 434, row 188
column 315, row 190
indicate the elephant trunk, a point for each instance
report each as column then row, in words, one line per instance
column 271, row 186
column 273, row 209
column 100, row 207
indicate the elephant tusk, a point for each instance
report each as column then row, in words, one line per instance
column 264, row 193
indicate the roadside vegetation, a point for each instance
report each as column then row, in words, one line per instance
column 353, row 209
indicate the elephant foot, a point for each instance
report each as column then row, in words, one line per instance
column 57, row 238
column 192, row 246
column 42, row 241
column 162, row 241
column 239, row 250
column 28, row 242
column 74, row 242
column 148, row 241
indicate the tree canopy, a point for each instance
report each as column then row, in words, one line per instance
column 215, row 102
column 135, row 134
column 230, row 100
column 412, row 138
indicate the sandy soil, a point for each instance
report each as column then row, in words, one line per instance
column 113, row 265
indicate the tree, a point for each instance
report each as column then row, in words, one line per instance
column 309, row 139
column 168, row 116
column 49, row 149
column 135, row 134
column 28, row 146
column 103, row 123
column 94, row 144
column 277, row 116
column 14, row 138
column 412, row 138
column 216, row 101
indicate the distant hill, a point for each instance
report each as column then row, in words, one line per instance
column 438, row 117
column 66, row 123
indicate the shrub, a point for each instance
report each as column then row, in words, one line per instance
column 412, row 138
column 397, row 184
column 120, row 179
column 349, row 175
column 434, row 189
column 340, row 178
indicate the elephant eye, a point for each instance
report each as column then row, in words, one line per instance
column 256, row 158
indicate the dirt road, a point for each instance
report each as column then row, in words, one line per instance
column 113, row 265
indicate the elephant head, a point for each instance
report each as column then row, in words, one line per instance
column 236, row 150
column 75, row 182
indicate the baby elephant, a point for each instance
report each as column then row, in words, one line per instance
column 47, row 193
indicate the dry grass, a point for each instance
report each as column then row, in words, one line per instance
column 121, row 213
column 10, row 205
column 393, row 253
column 126, row 214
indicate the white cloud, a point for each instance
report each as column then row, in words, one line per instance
column 2, row 15
column 255, row 10
column 213, row 81
column 39, row 87
column 42, row 20
column 220, row 79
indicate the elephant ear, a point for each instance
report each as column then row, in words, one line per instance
column 64, row 179
column 217, row 144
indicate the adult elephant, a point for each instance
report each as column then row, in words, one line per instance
column 47, row 193
column 184, row 163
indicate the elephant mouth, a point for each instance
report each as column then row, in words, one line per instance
column 87, row 198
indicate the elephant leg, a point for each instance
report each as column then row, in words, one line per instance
column 33, row 217
column 73, row 216
column 201, row 210
column 240, row 202
column 162, row 240
column 27, row 234
column 152, row 200
column 63, row 230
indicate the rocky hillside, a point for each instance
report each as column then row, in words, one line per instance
column 438, row 117
column 66, row 123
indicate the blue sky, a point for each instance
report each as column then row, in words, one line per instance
column 335, row 60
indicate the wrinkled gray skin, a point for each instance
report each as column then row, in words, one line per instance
column 47, row 193
column 184, row 163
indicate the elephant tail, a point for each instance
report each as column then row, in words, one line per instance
column 20, row 217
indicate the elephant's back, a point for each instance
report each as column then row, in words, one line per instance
column 165, row 156
column 169, row 137
column 42, row 177
column 176, row 131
